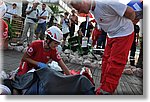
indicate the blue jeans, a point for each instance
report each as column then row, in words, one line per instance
column 41, row 28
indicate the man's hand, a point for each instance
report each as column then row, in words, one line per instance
column 42, row 65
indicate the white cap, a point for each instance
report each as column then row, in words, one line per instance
column 55, row 33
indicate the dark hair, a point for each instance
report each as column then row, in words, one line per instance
column 66, row 13
column 49, row 38
column 14, row 4
column 44, row 4
column 73, row 11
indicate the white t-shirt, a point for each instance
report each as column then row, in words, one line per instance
column 65, row 27
column 43, row 14
column 109, row 15
column 33, row 14
column 12, row 11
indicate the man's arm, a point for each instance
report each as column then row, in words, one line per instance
column 42, row 17
column 129, row 13
column 27, row 58
column 139, row 15
column 28, row 12
column 64, row 67
column 61, row 21
column 76, row 21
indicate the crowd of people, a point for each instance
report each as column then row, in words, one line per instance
column 113, row 29
column 36, row 22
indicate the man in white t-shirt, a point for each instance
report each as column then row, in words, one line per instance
column 66, row 24
column 12, row 12
column 30, row 21
column 41, row 28
column 114, row 18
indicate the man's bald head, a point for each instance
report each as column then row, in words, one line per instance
column 82, row 6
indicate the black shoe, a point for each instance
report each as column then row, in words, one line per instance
column 132, row 62
column 102, row 92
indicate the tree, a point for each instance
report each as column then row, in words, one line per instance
column 56, row 12
column 55, row 9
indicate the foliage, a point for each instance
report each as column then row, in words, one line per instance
column 56, row 12
column 55, row 9
column 11, row 32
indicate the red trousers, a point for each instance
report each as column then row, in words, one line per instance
column 114, row 60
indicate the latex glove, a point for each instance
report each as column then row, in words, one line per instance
column 42, row 65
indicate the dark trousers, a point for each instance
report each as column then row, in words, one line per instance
column 72, row 30
column 132, row 53
column 101, row 41
column 140, row 59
